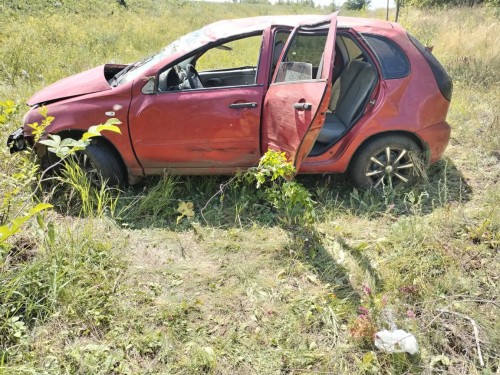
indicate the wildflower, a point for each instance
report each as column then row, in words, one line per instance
column 363, row 312
column 367, row 290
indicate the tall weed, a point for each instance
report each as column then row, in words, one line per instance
column 463, row 40
column 90, row 193
column 157, row 202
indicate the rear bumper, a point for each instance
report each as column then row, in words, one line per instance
column 16, row 141
column 436, row 138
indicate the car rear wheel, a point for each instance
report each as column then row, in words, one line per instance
column 386, row 161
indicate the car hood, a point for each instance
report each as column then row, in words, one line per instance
column 87, row 82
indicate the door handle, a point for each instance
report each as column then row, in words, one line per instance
column 243, row 105
column 306, row 106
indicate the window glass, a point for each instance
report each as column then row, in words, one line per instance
column 393, row 60
column 280, row 38
column 352, row 48
column 303, row 58
column 236, row 54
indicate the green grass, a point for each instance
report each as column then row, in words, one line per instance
column 238, row 288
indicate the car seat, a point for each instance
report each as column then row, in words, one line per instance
column 349, row 94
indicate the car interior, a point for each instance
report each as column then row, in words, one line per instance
column 354, row 79
column 354, row 75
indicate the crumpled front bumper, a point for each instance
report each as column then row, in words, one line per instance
column 16, row 141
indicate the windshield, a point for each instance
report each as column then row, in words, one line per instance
column 191, row 41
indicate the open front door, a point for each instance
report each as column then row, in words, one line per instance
column 296, row 102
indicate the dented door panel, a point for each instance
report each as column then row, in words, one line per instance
column 295, row 107
column 207, row 128
column 293, row 123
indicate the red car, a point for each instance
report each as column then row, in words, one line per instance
column 335, row 93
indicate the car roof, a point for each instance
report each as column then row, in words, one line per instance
column 354, row 22
column 227, row 28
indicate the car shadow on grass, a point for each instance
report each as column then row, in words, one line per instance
column 155, row 201
column 311, row 247
column 236, row 207
column 443, row 184
column 318, row 252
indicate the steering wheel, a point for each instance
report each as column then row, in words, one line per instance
column 193, row 77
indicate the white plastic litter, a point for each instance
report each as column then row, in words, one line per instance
column 396, row 341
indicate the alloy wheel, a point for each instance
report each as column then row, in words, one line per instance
column 391, row 166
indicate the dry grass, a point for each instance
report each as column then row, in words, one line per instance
column 240, row 292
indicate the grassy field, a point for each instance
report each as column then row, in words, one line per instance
column 241, row 287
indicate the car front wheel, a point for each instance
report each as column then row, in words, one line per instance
column 386, row 161
column 100, row 163
column 100, row 160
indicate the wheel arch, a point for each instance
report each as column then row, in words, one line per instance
column 422, row 145
column 77, row 134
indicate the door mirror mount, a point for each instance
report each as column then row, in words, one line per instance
column 149, row 87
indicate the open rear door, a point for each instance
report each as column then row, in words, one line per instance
column 297, row 100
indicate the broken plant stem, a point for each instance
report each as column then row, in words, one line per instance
column 474, row 327
column 222, row 187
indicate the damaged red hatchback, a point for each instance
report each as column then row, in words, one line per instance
column 335, row 93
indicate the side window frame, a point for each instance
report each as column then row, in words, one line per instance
column 272, row 69
column 199, row 55
column 320, row 32
column 369, row 55
column 342, row 47
column 349, row 37
column 194, row 55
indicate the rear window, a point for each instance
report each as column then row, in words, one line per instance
column 391, row 57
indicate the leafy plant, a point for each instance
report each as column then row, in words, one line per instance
column 289, row 197
column 8, row 109
column 68, row 146
column 31, row 293
column 273, row 166
column 63, row 149
column 8, row 230
column 39, row 129
column 185, row 209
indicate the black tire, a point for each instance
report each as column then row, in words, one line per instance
column 99, row 160
column 386, row 161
